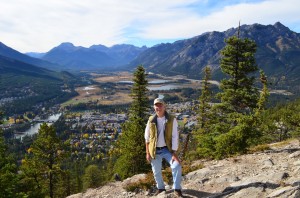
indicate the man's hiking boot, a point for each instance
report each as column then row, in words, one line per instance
column 178, row 193
column 159, row 191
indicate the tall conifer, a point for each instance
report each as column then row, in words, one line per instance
column 238, row 63
column 205, row 100
column 234, row 122
column 131, row 144
column 202, row 133
column 8, row 171
column 41, row 166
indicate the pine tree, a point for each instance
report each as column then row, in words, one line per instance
column 202, row 132
column 238, row 62
column 92, row 177
column 131, row 144
column 263, row 98
column 41, row 167
column 234, row 122
column 205, row 100
column 281, row 122
column 8, row 171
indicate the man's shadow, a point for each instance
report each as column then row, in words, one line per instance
column 187, row 193
column 195, row 193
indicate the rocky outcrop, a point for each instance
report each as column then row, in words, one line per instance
column 274, row 173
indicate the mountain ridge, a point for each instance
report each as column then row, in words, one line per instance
column 23, row 86
column 94, row 57
column 14, row 54
column 278, row 52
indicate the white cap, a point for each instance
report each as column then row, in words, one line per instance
column 159, row 100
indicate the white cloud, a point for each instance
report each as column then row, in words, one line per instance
column 268, row 12
column 39, row 25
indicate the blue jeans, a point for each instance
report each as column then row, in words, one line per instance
column 157, row 166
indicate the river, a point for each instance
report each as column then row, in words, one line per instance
column 35, row 127
column 164, row 87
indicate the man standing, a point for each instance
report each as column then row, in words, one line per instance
column 162, row 140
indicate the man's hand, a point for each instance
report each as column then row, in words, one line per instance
column 175, row 158
column 148, row 157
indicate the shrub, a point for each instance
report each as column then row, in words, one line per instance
column 144, row 184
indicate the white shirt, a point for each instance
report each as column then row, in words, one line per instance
column 161, row 122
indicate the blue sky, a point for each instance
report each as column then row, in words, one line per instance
column 39, row 25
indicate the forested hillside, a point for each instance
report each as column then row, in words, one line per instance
column 24, row 87
column 14, row 54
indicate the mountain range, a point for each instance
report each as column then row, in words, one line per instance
column 11, row 53
column 278, row 54
column 18, row 70
column 95, row 57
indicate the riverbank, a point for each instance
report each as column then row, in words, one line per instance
column 35, row 126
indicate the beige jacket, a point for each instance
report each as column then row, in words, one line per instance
column 153, row 133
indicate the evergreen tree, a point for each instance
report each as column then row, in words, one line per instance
column 234, row 124
column 205, row 100
column 202, row 134
column 131, row 144
column 263, row 98
column 239, row 98
column 41, row 167
column 281, row 122
column 238, row 62
column 92, row 177
column 8, row 171
column 260, row 109
column 76, row 174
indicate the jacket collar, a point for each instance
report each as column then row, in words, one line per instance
column 154, row 119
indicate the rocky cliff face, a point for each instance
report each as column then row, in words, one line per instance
column 272, row 173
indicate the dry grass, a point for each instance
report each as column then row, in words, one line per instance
column 276, row 145
column 149, row 181
column 101, row 96
column 259, row 148
column 84, row 96
column 283, row 143
column 117, row 98
column 120, row 95
column 144, row 184
column 121, row 76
